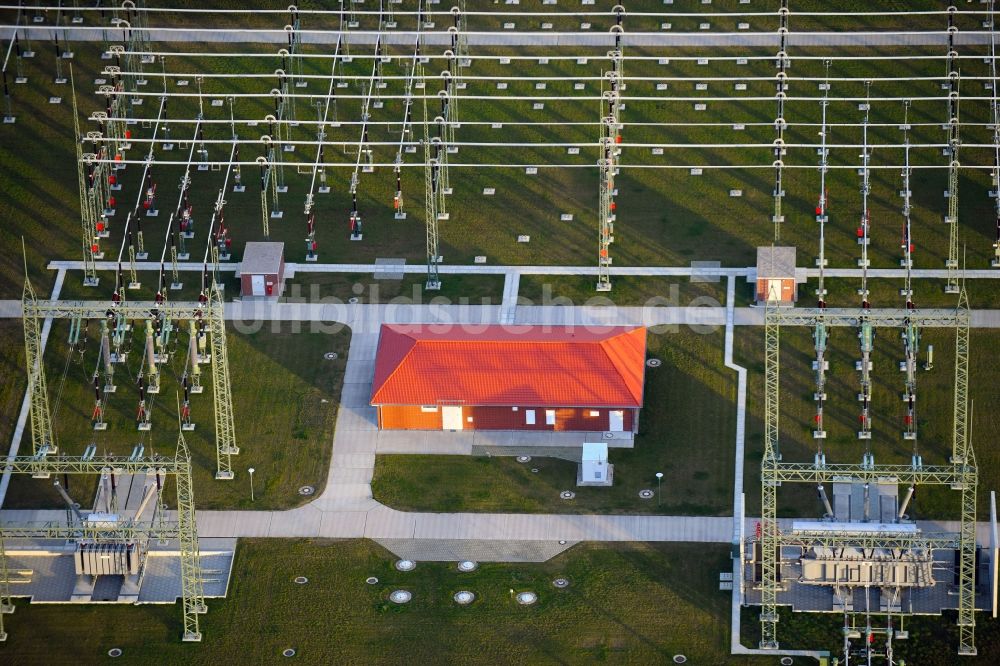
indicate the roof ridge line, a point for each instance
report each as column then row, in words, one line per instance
column 618, row 371
column 398, row 364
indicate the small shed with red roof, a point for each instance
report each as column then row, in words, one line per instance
column 449, row 377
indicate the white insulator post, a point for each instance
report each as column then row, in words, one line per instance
column 152, row 371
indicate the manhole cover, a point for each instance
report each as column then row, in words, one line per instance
column 467, row 566
column 560, row 583
column 786, row 661
column 301, row 580
column 352, row 300
column 400, row 597
column 330, row 356
column 534, row 470
column 523, row 459
column 653, row 362
column 646, row 493
column 371, row 580
column 115, row 652
column 306, row 490
column 406, row 565
column 562, row 542
column 680, row 659
column 609, row 435
column 527, row 598
column 288, row 652
column 567, row 494
column 464, row 597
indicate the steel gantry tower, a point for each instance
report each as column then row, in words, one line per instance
column 183, row 527
column 958, row 474
column 433, row 193
column 954, row 142
column 607, row 164
column 209, row 311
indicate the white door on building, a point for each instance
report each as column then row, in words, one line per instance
column 616, row 420
column 451, row 417
column 257, row 285
column 774, row 290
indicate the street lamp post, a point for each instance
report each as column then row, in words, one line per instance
column 251, row 470
column 659, row 495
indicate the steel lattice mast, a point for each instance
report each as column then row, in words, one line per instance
column 951, row 285
column 41, row 416
column 432, row 195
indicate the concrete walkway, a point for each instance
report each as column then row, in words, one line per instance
column 599, row 37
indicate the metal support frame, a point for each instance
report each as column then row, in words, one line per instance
column 35, row 311
column 432, row 194
column 954, row 142
column 780, row 124
column 607, row 164
column 44, row 464
column 960, row 474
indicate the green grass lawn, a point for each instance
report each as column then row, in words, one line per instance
column 339, row 287
column 626, row 291
column 686, row 431
column 285, row 397
column 635, row 603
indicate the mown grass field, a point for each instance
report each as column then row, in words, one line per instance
column 634, row 603
column 686, row 431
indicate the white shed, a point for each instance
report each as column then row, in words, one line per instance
column 594, row 468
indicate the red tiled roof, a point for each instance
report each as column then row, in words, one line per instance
column 502, row 365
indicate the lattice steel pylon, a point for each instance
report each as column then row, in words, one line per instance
column 184, row 529
column 87, row 222
column 607, row 165
column 41, row 415
column 225, row 430
column 433, row 196
column 769, row 484
column 959, row 474
column 954, row 142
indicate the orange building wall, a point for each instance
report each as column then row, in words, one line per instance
column 410, row 417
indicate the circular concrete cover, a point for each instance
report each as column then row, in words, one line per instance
column 527, row 598
column 400, row 597
column 646, row 493
column 288, row 652
column 680, row 659
column 464, row 597
column 371, row 580
column 115, row 652
column 561, row 583
column 306, row 490
column 301, row 580
column 330, row 356
column 523, row 459
column 406, row 565
column 653, row 362
column 467, row 566
column 567, row 494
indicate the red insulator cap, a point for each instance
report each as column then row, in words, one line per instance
column 94, row 248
